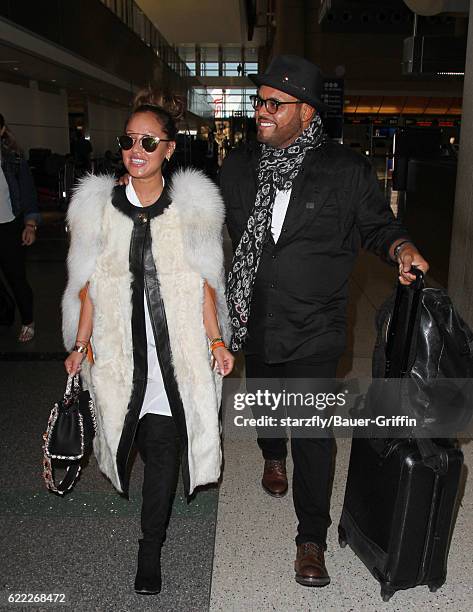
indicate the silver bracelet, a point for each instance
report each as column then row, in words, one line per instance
column 399, row 248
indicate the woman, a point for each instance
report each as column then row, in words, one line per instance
column 148, row 259
column 19, row 217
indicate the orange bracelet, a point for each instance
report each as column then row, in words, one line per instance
column 217, row 345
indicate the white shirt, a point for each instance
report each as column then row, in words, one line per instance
column 6, row 213
column 155, row 400
column 281, row 202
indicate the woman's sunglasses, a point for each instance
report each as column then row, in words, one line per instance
column 148, row 143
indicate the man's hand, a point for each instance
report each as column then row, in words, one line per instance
column 409, row 256
column 124, row 180
column 29, row 235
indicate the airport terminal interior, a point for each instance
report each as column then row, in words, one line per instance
column 398, row 86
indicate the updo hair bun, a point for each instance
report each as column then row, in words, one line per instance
column 174, row 105
column 147, row 97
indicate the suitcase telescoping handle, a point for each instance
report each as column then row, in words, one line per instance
column 416, row 288
column 433, row 455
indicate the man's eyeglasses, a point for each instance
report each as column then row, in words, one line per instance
column 148, row 143
column 271, row 105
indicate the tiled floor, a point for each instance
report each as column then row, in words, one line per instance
column 254, row 548
column 85, row 544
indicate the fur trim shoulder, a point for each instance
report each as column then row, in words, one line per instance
column 90, row 196
column 200, row 207
column 197, row 199
column 84, row 218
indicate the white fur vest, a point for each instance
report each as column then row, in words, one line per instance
column 187, row 249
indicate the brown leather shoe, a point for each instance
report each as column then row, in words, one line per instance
column 274, row 479
column 310, row 565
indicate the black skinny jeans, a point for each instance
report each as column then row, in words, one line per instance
column 12, row 264
column 158, row 443
column 313, row 458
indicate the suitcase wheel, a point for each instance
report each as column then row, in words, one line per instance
column 342, row 537
column 386, row 594
column 435, row 586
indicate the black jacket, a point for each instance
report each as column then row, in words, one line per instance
column 422, row 340
column 301, row 288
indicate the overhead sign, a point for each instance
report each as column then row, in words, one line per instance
column 333, row 96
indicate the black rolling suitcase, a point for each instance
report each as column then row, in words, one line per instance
column 398, row 513
column 401, row 494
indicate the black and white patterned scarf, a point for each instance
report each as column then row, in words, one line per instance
column 277, row 170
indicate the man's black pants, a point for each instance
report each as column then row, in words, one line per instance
column 12, row 264
column 158, row 443
column 313, row 457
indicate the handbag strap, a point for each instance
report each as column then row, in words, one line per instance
column 72, row 474
column 72, row 386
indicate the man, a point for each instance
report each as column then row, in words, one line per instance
column 298, row 208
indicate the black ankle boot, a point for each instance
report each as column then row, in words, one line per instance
column 148, row 575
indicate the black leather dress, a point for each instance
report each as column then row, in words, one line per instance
column 146, row 283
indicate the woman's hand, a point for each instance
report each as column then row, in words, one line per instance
column 29, row 235
column 224, row 359
column 73, row 362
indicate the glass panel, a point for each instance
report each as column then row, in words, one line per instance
column 231, row 101
column 231, row 69
column 251, row 67
column 209, row 68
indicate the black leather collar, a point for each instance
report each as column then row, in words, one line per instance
column 121, row 203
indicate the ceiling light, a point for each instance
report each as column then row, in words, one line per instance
column 450, row 74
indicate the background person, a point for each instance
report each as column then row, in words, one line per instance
column 82, row 149
column 19, row 218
